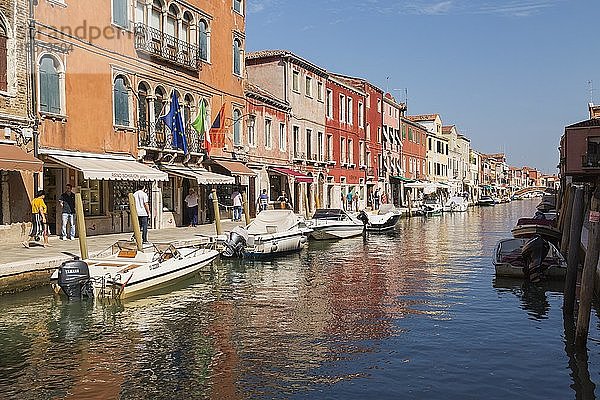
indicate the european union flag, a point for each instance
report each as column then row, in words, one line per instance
column 174, row 121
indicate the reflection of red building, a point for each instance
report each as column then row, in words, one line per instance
column 345, row 141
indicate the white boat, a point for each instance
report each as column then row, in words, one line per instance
column 272, row 232
column 386, row 218
column 456, row 204
column 486, row 201
column 432, row 206
column 122, row 271
column 509, row 261
column 334, row 223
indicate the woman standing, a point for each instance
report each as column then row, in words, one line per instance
column 39, row 222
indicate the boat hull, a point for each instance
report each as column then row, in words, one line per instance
column 273, row 245
column 332, row 232
column 385, row 225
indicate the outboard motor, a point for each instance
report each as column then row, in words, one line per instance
column 74, row 279
column 362, row 216
column 235, row 244
column 534, row 252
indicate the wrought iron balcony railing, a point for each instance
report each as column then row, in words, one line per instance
column 166, row 47
column 590, row 160
column 155, row 135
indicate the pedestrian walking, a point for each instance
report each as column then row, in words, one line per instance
column 236, row 199
column 263, row 200
column 39, row 221
column 210, row 208
column 143, row 210
column 67, row 202
column 191, row 201
column 349, row 200
column 376, row 199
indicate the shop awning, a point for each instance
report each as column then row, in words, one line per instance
column 298, row 176
column 403, row 179
column 236, row 168
column 13, row 158
column 106, row 166
column 202, row 176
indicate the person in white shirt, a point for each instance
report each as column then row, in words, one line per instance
column 191, row 200
column 143, row 210
column 236, row 198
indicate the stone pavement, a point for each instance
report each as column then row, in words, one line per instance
column 21, row 268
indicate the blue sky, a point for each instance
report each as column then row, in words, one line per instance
column 510, row 74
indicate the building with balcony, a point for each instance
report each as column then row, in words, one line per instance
column 393, row 112
column 580, row 152
column 437, row 147
column 301, row 84
column 105, row 75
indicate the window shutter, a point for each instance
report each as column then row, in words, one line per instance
column 44, row 90
column 3, row 63
column 120, row 13
column 125, row 108
column 54, row 91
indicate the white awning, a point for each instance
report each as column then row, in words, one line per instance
column 106, row 166
column 202, row 176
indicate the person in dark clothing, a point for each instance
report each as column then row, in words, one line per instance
column 210, row 210
column 67, row 202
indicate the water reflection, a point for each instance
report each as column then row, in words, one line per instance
column 409, row 314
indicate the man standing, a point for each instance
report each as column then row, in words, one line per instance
column 210, row 208
column 376, row 199
column 349, row 200
column 67, row 202
column 236, row 198
column 143, row 210
column 263, row 200
column 191, row 200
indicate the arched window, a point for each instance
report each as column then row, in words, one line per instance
column 237, row 127
column 203, row 39
column 143, row 107
column 156, row 18
column 49, row 85
column 3, row 57
column 121, row 101
column 188, row 104
column 160, row 99
column 237, row 57
column 171, row 26
column 140, row 12
column 186, row 28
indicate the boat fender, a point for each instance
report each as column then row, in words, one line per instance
column 302, row 240
column 274, row 248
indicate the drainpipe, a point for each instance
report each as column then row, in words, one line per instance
column 33, row 87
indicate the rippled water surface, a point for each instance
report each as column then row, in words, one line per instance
column 415, row 314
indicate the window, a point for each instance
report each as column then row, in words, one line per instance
column 378, row 134
column 237, row 57
column 168, row 194
column 320, row 91
column 160, row 99
column 3, row 57
column 121, row 101
column 50, row 94
column 203, row 40
column 350, row 116
column 350, row 151
column 155, row 19
column 185, row 34
column 343, row 151
column 296, row 81
column 379, row 106
column 91, row 196
column 368, row 100
column 329, row 104
column 251, row 135
column 342, row 108
column 309, row 154
column 361, row 116
column 330, row 147
column 361, row 153
column 140, row 12
column 171, row 27
column 268, row 134
column 237, row 127
column 320, row 146
column 296, row 138
column 410, row 134
column 143, row 111
column 238, row 6
column 119, row 11
column 282, row 137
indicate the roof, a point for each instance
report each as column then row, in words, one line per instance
column 346, row 85
column 594, row 122
column 256, row 92
column 356, row 81
column 423, row 117
column 448, row 128
column 265, row 54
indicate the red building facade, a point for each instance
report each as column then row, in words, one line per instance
column 414, row 149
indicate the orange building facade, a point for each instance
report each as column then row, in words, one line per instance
column 106, row 72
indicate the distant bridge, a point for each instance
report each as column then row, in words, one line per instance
column 531, row 189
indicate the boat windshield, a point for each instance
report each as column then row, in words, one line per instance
column 333, row 214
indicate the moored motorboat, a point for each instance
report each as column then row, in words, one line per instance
column 334, row 223
column 456, row 204
column 432, row 206
column 272, row 232
column 122, row 271
column 486, row 201
column 385, row 220
column 533, row 258
column 529, row 227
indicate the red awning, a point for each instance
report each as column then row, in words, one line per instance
column 13, row 158
column 298, row 176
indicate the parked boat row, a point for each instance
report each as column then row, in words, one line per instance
column 532, row 253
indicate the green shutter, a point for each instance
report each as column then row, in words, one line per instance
column 120, row 13
column 44, row 104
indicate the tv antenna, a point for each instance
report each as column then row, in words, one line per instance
column 591, row 86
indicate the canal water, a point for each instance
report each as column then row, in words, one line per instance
column 414, row 314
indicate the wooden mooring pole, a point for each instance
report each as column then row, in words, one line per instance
column 573, row 254
column 135, row 222
column 246, row 210
column 589, row 272
column 80, row 222
column 217, row 212
column 566, row 222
